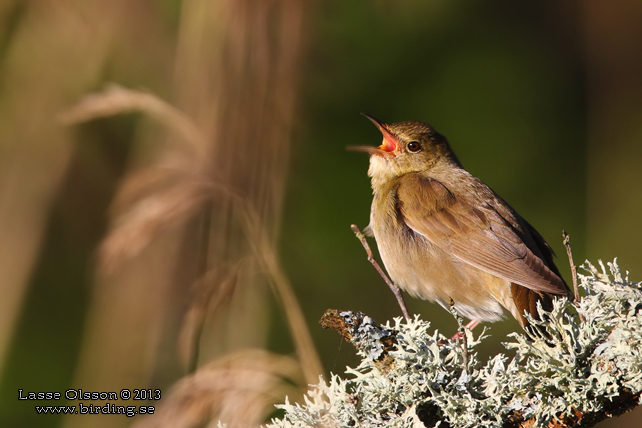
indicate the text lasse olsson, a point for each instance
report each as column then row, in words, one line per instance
column 79, row 394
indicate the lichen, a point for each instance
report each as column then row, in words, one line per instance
column 576, row 361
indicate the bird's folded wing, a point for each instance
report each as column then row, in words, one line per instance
column 478, row 236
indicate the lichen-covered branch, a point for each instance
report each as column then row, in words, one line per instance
column 583, row 364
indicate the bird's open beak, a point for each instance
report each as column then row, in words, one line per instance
column 389, row 145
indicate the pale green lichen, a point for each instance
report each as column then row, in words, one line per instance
column 575, row 366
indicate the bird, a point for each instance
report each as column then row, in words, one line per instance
column 445, row 236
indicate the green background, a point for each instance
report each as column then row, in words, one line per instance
column 513, row 86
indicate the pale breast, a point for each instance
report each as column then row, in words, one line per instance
column 426, row 271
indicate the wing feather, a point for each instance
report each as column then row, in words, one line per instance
column 479, row 235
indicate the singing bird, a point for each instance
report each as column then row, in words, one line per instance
column 445, row 236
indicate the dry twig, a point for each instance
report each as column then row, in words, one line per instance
column 569, row 252
column 395, row 290
column 461, row 333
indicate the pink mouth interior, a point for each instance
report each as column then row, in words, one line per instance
column 389, row 145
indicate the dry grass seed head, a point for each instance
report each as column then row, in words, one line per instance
column 135, row 227
column 239, row 389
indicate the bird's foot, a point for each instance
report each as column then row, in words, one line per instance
column 471, row 325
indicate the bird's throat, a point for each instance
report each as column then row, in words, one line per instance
column 381, row 171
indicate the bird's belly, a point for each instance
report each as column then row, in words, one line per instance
column 426, row 271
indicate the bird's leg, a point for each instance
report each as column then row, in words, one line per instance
column 461, row 334
column 471, row 325
column 395, row 290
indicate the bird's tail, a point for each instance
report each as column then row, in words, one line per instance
column 526, row 299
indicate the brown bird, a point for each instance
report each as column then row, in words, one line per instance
column 445, row 236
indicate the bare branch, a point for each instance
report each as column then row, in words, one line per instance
column 395, row 290
column 569, row 252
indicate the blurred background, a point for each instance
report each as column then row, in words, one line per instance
column 176, row 198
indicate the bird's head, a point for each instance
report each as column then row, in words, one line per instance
column 407, row 147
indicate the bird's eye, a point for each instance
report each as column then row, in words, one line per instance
column 414, row 146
